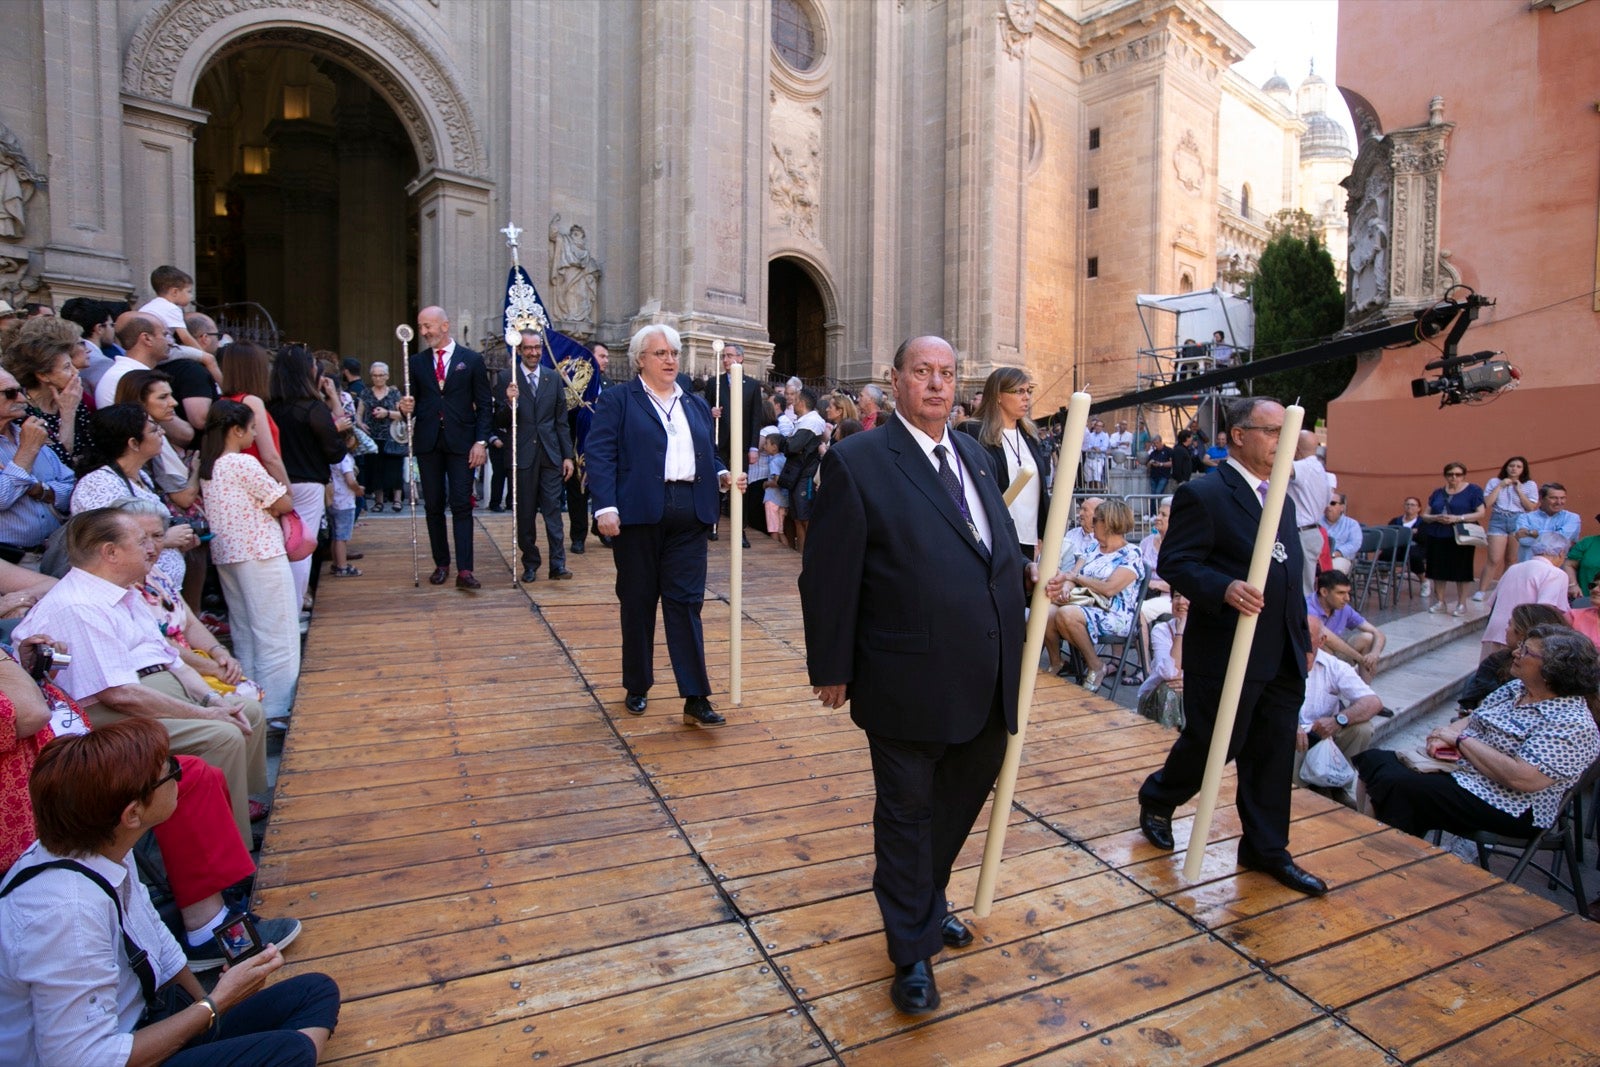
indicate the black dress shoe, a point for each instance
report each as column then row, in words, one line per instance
column 496, row 508
column 562, row 575
column 576, row 547
column 914, row 991
column 955, row 932
column 1288, row 873
column 697, row 711
column 744, row 542
column 1157, row 829
column 439, row 575
column 465, row 580
column 530, row 575
column 605, row 542
column 713, row 534
column 635, row 703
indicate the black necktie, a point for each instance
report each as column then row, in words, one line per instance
column 957, row 493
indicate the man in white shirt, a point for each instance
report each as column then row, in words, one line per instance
column 144, row 344
column 1122, row 440
column 1310, row 490
column 121, row 666
column 1338, row 704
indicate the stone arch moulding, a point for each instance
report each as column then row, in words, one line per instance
column 177, row 39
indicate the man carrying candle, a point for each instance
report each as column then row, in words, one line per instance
column 716, row 394
column 912, row 593
column 1206, row 556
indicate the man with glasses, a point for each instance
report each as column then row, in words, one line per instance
column 122, row 667
column 34, row 484
column 1206, row 557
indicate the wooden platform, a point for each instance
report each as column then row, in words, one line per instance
column 498, row 864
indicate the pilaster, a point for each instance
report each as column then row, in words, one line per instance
column 158, row 185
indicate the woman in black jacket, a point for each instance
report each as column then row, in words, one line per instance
column 1002, row 426
column 310, row 420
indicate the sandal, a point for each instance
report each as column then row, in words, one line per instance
column 346, row 571
column 396, row 507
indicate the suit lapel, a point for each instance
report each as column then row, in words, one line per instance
column 1243, row 493
column 920, row 473
column 638, row 396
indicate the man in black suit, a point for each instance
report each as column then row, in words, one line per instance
column 450, row 435
column 1206, row 557
column 715, row 392
column 544, row 456
column 912, row 593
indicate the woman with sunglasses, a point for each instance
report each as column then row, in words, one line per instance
column 77, row 889
column 1518, row 752
column 1003, row 427
column 1457, row 502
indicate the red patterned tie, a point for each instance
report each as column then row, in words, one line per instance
column 438, row 365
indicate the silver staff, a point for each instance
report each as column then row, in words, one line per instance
column 405, row 334
column 513, row 338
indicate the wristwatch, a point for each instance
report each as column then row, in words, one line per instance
column 1342, row 719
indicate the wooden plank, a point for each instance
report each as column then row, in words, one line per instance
column 786, row 1040
column 1324, row 1043
column 1450, row 1003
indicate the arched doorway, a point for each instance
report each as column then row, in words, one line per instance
column 796, row 321
column 300, row 199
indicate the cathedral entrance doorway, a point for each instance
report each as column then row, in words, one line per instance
column 796, row 321
column 301, row 205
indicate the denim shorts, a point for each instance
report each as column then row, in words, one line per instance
column 342, row 522
column 1503, row 522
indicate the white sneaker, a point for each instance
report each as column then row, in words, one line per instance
column 1477, row 598
column 1460, row 609
column 1436, row 608
column 1427, row 588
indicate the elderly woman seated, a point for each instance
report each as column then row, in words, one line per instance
column 93, row 796
column 1524, row 746
column 1097, row 601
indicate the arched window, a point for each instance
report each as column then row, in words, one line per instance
column 1244, row 201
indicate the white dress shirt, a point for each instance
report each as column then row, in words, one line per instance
column 980, row 517
column 1310, row 491
column 1331, row 686
column 67, row 992
column 106, row 627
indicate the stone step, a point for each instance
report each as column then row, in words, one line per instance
column 1419, row 633
column 1425, row 683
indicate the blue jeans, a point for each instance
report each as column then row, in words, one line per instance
column 1158, row 483
column 264, row 1030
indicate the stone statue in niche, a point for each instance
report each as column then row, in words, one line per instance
column 574, row 274
column 18, row 180
column 1369, row 247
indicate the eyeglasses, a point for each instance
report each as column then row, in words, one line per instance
column 1522, row 651
column 13, row 393
column 1455, row 474
column 1270, row 431
column 1025, row 391
column 663, row 354
column 174, row 774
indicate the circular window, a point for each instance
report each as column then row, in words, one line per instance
column 794, row 35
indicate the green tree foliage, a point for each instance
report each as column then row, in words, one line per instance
column 1298, row 302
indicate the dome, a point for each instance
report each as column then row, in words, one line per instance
column 1324, row 138
column 1276, row 84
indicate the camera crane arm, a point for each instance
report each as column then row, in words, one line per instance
column 1457, row 315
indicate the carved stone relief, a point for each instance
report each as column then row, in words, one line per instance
column 1017, row 19
column 1156, row 43
column 167, row 33
column 1188, row 165
column 794, row 174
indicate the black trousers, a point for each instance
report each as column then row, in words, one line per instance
column 539, row 491
column 499, row 475
column 664, row 563
column 1418, row 802
column 928, row 796
column 1262, row 745
column 447, row 478
column 578, row 507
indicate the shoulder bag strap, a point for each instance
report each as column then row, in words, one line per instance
column 138, row 958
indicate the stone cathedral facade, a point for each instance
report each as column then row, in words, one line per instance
column 817, row 179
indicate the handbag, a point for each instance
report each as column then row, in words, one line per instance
column 1326, row 766
column 295, row 541
column 1470, row 533
column 1084, row 598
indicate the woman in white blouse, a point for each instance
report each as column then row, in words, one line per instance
column 1002, row 426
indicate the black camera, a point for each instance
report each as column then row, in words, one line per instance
column 197, row 523
column 239, row 940
column 46, row 659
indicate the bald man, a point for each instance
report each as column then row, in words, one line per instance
column 452, row 402
column 1310, row 491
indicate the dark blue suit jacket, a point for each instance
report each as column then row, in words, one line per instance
column 626, row 453
column 1208, row 544
column 899, row 602
column 465, row 402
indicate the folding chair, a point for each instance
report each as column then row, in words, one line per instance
column 1365, row 565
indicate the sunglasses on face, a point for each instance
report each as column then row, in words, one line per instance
column 14, row 393
column 174, row 774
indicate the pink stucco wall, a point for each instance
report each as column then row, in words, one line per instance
column 1520, row 203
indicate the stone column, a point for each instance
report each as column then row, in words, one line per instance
column 455, row 240
column 158, row 186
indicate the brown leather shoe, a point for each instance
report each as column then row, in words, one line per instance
column 439, row 575
column 465, row 580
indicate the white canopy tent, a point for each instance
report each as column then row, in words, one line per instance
column 1197, row 315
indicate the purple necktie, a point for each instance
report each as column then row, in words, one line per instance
column 1261, row 490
